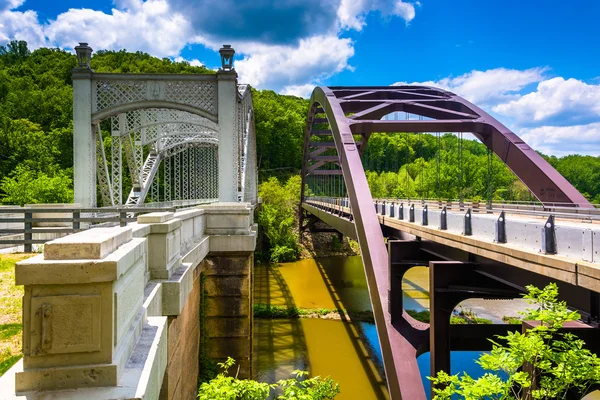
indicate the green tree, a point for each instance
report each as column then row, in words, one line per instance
column 541, row 363
column 26, row 186
column 277, row 217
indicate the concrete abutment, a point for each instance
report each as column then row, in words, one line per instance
column 114, row 313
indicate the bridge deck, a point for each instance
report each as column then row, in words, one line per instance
column 519, row 251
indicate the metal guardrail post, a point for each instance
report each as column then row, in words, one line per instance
column 500, row 234
column 425, row 221
column 468, row 229
column 443, row 219
column 411, row 213
column 28, row 235
column 122, row 218
column 549, row 236
column 401, row 211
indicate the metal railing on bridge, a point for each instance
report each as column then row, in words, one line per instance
column 533, row 209
column 29, row 225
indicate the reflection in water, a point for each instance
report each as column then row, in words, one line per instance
column 348, row 352
column 328, row 350
column 415, row 289
column 459, row 362
column 333, row 282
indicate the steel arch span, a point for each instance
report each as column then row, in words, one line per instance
column 343, row 113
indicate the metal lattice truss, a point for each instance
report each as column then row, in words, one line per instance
column 183, row 144
column 246, row 147
column 112, row 92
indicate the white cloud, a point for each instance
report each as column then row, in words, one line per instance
column 557, row 116
column 489, row 87
column 149, row 26
column 194, row 62
column 20, row 26
column 352, row 13
column 557, row 100
column 564, row 140
column 303, row 91
column 10, row 4
column 314, row 58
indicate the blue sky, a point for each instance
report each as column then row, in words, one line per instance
column 535, row 64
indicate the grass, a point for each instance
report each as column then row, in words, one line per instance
column 10, row 315
column 512, row 320
column 462, row 319
column 265, row 311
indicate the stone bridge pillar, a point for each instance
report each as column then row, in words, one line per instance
column 229, row 282
column 84, row 141
column 228, row 156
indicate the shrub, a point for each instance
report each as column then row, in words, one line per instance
column 283, row 254
column 225, row 387
column 540, row 363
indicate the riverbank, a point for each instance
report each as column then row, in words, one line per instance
column 326, row 244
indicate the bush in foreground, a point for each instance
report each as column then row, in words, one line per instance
column 225, row 387
column 541, row 363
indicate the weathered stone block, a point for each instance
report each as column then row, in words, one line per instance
column 228, row 327
column 66, row 378
column 228, row 285
column 93, row 244
column 155, row 218
column 164, row 252
column 233, row 243
column 67, row 324
column 227, row 265
column 234, row 347
column 228, row 306
column 177, row 289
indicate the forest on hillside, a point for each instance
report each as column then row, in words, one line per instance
column 36, row 156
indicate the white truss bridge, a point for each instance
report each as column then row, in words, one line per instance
column 163, row 138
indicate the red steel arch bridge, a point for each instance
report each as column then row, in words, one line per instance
column 487, row 251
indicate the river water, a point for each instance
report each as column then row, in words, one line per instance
column 347, row 351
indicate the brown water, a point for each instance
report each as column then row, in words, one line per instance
column 322, row 347
column 346, row 351
column 333, row 282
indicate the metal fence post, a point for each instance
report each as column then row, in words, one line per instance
column 122, row 218
column 28, row 235
column 76, row 223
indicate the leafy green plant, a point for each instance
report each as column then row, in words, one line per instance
column 541, row 363
column 225, row 387
column 277, row 218
column 283, row 254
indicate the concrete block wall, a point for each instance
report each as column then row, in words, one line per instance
column 113, row 313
